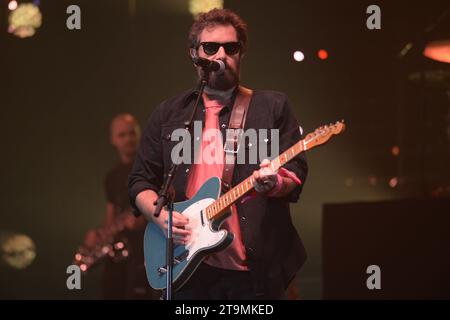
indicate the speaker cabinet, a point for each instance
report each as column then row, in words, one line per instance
column 408, row 240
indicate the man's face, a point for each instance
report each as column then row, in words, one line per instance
column 221, row 34
column 125, row 135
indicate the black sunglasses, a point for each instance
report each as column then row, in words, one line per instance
column 230, row 48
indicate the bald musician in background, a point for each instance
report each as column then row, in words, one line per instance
column 123, row 278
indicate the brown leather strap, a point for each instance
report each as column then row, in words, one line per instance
column 234, row 133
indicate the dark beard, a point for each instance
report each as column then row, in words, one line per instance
column 224, row 81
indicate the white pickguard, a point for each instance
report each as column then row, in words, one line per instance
column 202, row 236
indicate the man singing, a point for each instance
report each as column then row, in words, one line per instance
column 266, row 251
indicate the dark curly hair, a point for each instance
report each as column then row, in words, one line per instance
column 218, row 17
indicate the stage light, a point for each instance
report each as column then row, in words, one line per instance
column 199, row 6
column 322, row 54
column 395, row 151
column 438, row 51
column 24, row 20
column 12, row 5
column 393, row 182
column 18, row 250
column 372, row 180
column 299, row 56
column 83, row 267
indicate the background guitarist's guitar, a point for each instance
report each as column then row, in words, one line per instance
column 203, row 209
column 110, row 242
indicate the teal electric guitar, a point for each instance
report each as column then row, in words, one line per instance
column 204, row 210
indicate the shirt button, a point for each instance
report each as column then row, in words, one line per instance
column 224, row 125
column 243, row 218
column 187, row 170
column 198, row 138
column 168, row 136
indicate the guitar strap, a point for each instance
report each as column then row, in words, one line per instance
column 234, row 134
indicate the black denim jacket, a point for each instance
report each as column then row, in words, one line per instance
column 273, row 248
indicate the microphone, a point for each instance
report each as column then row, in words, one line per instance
column 210, row 65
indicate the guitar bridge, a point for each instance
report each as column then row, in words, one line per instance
column 176, row 260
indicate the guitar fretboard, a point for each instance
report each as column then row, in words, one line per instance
column 219, row 207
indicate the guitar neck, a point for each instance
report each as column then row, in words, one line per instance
column 221, row 205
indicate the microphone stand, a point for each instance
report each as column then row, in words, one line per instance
column 165, row 198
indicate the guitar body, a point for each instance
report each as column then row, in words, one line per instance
column 205, row 239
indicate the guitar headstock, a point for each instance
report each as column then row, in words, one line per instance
column 323, row 134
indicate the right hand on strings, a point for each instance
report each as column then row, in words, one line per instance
column 179, row 233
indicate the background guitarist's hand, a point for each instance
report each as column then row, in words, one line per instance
column 129, row 221
column 90, row 239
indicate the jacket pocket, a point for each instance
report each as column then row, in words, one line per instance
column 175, row 149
